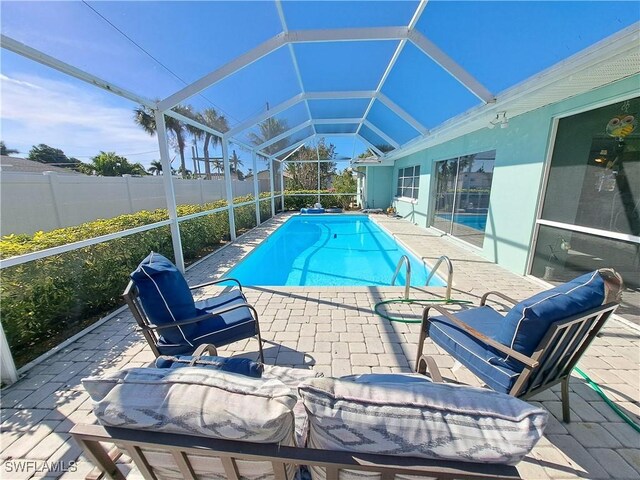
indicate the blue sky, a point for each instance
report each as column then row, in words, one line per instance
column 500, row 43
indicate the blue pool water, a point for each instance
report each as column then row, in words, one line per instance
column 473, row 220
column 348, row 250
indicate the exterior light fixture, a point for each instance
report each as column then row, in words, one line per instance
column 500, row 119
column 602, row 157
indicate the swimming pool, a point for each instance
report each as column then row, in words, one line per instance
column 323, row 250
column 473, row 220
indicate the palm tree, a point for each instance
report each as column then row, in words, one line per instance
column 155, row 168
column 234, row 163
column 6, row 151
column 145, row 117
column 270, row 128
column 211, row 118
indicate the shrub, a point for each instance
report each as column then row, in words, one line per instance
column 297, row 199
column 45, row 298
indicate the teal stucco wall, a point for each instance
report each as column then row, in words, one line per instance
column 379, row 193
column 521, row 151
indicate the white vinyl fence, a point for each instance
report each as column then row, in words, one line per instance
column 32, row 202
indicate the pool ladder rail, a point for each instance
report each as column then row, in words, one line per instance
column 405, row 259
column 407, row 285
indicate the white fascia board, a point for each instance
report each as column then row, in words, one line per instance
column 49, row 61
column 455, row 70
column 380, row 133
column 402, row 113
column 347, row 34
column 261, row 117
column 284, row 135
column 371, row 145
column 235, row 65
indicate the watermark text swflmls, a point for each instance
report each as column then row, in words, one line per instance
column 38, row 466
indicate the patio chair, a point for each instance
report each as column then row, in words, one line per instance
column 174, row 323
column 537, row 344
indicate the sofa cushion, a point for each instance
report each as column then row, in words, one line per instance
column 165, row 297
column 528, row 322
column 485, row 362
column 195, row 401
column 205, row 402
column 421, row 419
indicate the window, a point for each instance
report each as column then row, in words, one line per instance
column 461, row 197
column 408, row 182
column 591, row 210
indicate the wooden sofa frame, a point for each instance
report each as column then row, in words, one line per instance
column 132, row 442
column 564, row 343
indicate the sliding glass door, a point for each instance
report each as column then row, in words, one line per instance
column 590, row 216
column 461, row 196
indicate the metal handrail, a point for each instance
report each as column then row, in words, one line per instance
column 407, row 286
column 447, row 260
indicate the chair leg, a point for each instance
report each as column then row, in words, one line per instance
column 566, row 411
column 422, row 338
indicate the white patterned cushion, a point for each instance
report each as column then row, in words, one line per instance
column 419, row 418
column 202, row 402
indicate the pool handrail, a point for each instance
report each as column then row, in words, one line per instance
column 447, row 260
column 407, row 286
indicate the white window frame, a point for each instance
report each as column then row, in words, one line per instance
column 415, row 184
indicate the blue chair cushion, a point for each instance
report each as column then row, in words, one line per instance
column 165, row 297
column 527, row 323
column 226, row 328
column 312, row 210
column 483, row 361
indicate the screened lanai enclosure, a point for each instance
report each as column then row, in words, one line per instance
column 260, row 107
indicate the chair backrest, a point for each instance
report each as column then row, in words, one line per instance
column 132, row 299
column 560, row 349
column 185, row 450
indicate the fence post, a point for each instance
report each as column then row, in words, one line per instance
column 229, row 188
column 8, row 371
column 256, row 189
column 54, row 187
column 127, row 178
column 169, row 191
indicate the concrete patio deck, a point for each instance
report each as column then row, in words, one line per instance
column 335, row 330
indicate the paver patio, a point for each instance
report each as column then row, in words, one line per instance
column 334, row 330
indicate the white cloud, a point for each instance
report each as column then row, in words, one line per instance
column 65, row 115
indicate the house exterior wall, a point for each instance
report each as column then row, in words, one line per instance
column 521, row 151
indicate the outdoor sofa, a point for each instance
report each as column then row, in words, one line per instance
column 204, row 422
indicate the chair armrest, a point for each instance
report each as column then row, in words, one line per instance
column 200, row 318
column 427, row 365
column 529, row 362
column 483, row 300
column 213, row 282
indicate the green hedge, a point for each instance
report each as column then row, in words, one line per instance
column 47, row 300
column 297, row 199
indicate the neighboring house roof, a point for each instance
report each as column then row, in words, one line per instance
column 22, row 165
